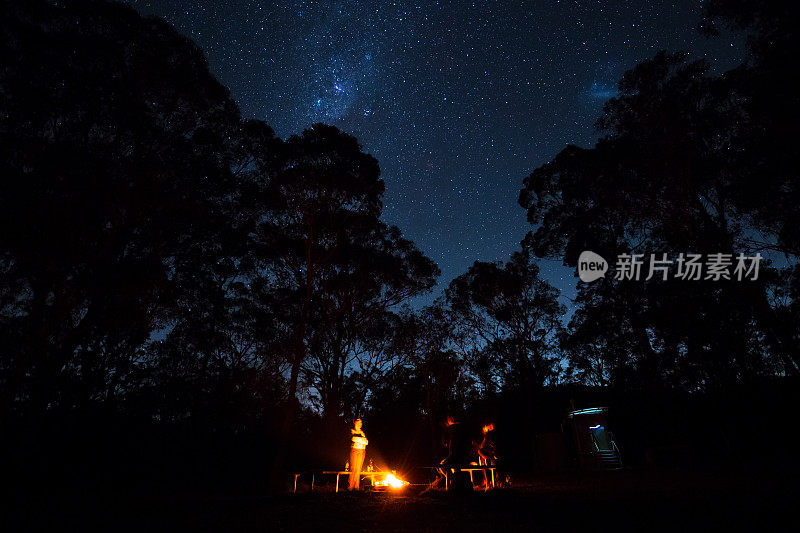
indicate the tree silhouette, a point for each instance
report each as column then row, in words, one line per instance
column 507, row 320
column 163, row 258
column 432, row 373
column 337, row 266
column 116, row 187
column 661, row 180
column 763, row 158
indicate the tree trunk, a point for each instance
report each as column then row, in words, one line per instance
column 279, row 459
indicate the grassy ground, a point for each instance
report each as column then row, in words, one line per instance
column 630, row 500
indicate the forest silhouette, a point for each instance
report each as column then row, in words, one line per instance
column 190, row 303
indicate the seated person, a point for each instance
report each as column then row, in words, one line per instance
column 459, row 446
column 487, row 451
column 487, row 447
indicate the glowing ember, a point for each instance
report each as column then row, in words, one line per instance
column 390, row 480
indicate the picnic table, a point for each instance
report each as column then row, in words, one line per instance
column 448, row 469
column 338, row 473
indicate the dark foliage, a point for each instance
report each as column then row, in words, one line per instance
column 187, row 301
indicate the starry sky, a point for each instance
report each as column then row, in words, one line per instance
column 457, row 100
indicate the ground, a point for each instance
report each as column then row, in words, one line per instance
column 629, row 500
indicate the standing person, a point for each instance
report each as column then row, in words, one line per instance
column 358, row 448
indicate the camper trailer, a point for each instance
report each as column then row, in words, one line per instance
column 592, row 444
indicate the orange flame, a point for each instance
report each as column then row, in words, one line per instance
column 390, row 480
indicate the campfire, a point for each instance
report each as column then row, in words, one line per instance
column 390, row 481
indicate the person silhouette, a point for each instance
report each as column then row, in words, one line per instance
column 459, row 446
column 358, row 448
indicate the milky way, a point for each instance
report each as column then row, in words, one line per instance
column 458, row 101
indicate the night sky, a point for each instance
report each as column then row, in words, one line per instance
column 458, row 101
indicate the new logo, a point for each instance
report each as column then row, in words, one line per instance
column 591, row 266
